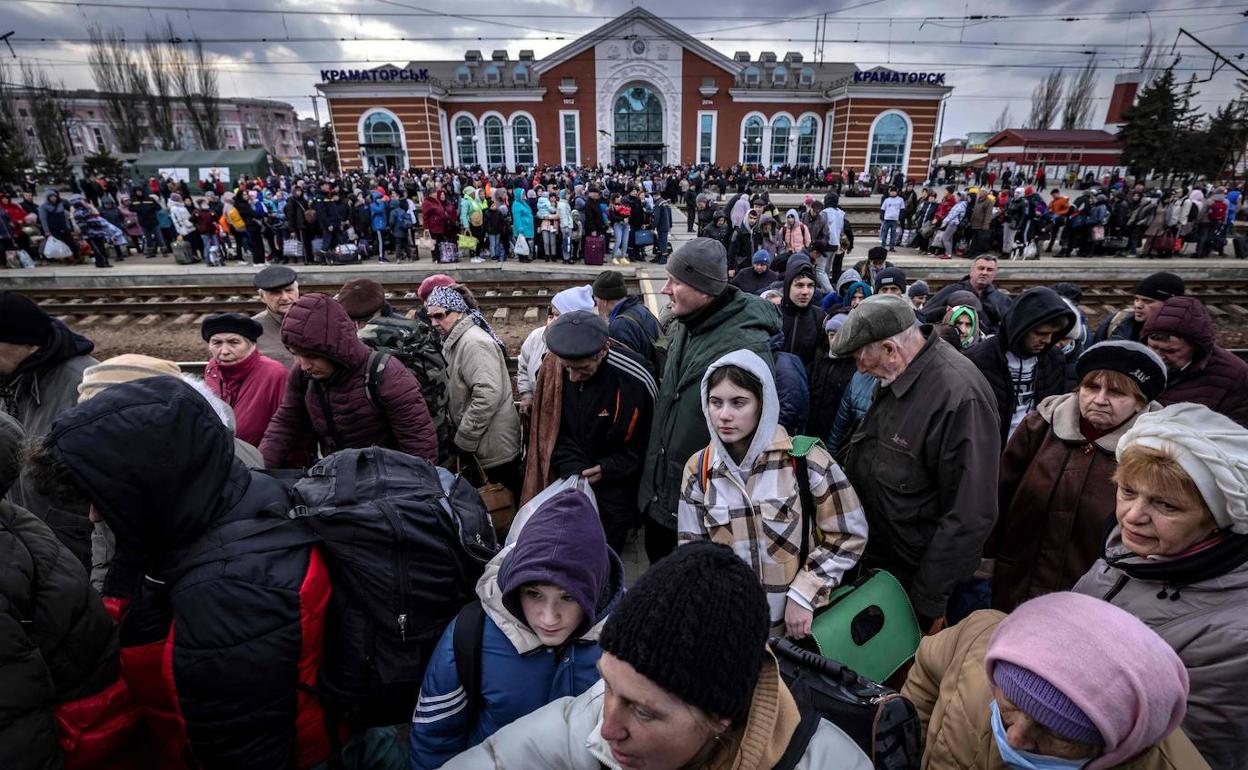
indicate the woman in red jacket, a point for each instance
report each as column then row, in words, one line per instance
column 240, row 375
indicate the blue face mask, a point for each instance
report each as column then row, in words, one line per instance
column 1025, row 760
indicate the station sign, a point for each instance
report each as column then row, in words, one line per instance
column 372, row 76
column 901, row 78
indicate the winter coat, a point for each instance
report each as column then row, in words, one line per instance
column 253, row 388
column 329, row 214
column 221, row 640
column 949, row 687
column 398, row 220
column 632, row 323
column 270, row 342
column 751, row 282
column 338, row 413
column 433, row 215
column 981, row 215
column 1216, row 377
column 732, row 321
column 54, row 217
column 662, row 216
column 854, row 405
column 995, row 303
column 1205, row 623
column 796, row 237
column 792, row 388
column 43, row 386
column 181, row 217
column 467, row 205
column 521, row 216
column 1056, row 491
column 997, row 357
column 518, row 674
column 924, row 462
column 480, row 395
column 595, row 221
column 829, row 377
column 754, row 507
column 571, row 737
column 803, row 326
column 1119, row 326
column 377, row 213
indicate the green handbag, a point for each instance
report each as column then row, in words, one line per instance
column 868, row 626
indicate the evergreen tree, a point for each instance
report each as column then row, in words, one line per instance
column 329, row 152
column 1156, row 131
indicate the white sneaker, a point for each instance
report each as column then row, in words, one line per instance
column 476, row 260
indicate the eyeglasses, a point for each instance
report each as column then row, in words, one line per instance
column 436, row 316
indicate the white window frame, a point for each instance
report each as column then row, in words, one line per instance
column 762, row 139
column 714, row 130
column 797, row 133
column 478, row 134
column 563, row 140
column 509, row 136
column 359, row 133
column 790, row 145
column 484, row 144
column 905, row 169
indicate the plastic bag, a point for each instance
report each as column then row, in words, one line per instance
column 521, row 247
column 1031, row 251
column 55, row 248
column 571, row 482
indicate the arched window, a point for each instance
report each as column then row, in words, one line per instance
column 381, row 129
column 522, row 134
column 780, row 129
column 888, row 142
column 638, row 117
column 466, row 141
column 779, row 76
column 520, row 75
column 494, row 155
column 381, row 142
column 751, row 75
column 807, row 133
column 752, row 138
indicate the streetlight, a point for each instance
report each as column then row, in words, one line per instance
column 317, row 146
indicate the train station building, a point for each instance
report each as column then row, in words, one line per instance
column 635, row 89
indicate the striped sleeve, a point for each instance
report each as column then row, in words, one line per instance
column 626, row 365
column 442, row 721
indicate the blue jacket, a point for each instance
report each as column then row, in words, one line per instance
column 519, row 675
column 793, row 390
column 399, row 220
column 854, row 405
column 633, row 324
column 377, row 209
column 521, row 216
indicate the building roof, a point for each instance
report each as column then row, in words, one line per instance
column 1053, row 137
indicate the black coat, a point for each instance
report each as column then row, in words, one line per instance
column 802, row 326
column 995, row 303
column 1034, row 307
column 828, row 379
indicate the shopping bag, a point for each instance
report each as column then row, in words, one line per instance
column 868, row 626
column 448, row 252
column 1031, row 251
column 293, row 248
column 425, row 243
column 467, row 242
column 521, row 246
column 55, row 248
column 571, row 482
column 1098, row 232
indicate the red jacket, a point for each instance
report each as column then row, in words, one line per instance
column 433, row 215
column 1216, row 377
column 253, row 388
column 338, row 413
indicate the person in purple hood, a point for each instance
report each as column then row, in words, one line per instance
column 534, row 632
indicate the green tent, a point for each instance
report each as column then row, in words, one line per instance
column 194, row 165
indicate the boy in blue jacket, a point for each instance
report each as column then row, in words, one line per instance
column 545, row 599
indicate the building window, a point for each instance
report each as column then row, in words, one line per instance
column 889, row 137
column 522, row 135
column 751, row 75
column 807, row 77
column 780, row 129
column 807, row 135
column 463, row 75
column 279, row 117
column 253, row 135
column 494, row 153
column 520, row 75
column 779, row 76
column 492, row 75
column 466, row 141
column 752, row 139
column 706, row 137
column 571, row 137
column 638, row 117
column 99, row 137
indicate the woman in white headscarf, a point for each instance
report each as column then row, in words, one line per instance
column 534, row 346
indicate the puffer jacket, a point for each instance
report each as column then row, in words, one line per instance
column 856, row 401
column 221, row 640
column 754, row 507
column 518, row 673
column 732, row 321
column 338, row 412
column 58, row 645
column 949, row 687
column 1205, row 623
column 571, row 730
column 1216, row 377
column 487, row 424
column 1056, row 491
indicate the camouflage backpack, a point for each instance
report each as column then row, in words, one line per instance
column 417, row 346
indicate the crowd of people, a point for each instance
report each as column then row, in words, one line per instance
column 1062, row 506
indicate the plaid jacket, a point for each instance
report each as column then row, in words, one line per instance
column 761, row 518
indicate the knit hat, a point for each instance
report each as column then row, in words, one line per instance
column 695, row 624
column 362, row 298
column 1210, row 448
column 835, row 322
column 1161, row 286
column 1045, row 703
column 1073, row 660
column 230, row 323
column 702, row 264
column 127, row 367
column 610, row 285
column 918, row 289
column 22, row 322
column 890, row 276
column 431, row 283
column 576, row 298
column 1137, row 361
column 577, row 335
column 761, row 257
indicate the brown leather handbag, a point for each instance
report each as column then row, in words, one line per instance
column 498, row 500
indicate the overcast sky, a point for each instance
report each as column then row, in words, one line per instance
column 990, row 62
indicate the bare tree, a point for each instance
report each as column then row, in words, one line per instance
column 159, row 97
column 120, row 77
column 14, row 144
column 50, row 113
column 1079, row 95
column 195, row 83
column 1046, row 100
column 1003, row 120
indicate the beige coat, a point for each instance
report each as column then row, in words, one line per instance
column 270, row 342
column 481, row 398
column 949, row 687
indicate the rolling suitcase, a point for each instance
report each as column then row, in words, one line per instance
column 182, row 253
column 595, row 249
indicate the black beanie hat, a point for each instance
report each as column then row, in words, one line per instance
column 1161, row 286
column 22, row 322
column 610, row 285
column 695, row 624
column 1137, row 361
column 230, row 323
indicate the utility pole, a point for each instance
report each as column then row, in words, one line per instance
column 316, row 115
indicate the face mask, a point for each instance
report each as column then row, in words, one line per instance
column 1025, row 760
column 1068, row 348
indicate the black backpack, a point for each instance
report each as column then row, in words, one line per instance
column 405, row 543
column 884, row 724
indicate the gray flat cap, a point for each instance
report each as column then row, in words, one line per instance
column 876, row 318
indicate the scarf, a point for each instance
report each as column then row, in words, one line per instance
column 449, row 299
column 544, row 420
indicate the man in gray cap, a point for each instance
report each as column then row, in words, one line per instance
column 278, row 288
column 711, row 318
column 924, row 459
column 591, row 418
